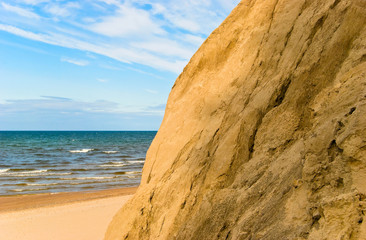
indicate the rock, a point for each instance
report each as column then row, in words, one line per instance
column 264, row 135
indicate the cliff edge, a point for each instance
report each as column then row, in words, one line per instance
column 264, row 135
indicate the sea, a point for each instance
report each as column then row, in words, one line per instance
column 33, row 162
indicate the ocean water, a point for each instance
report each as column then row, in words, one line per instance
column 45, row 161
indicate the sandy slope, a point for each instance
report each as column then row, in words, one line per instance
column 264, row 133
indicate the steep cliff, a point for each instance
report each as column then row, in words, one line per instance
column 264, row 135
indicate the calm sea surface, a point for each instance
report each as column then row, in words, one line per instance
column 43, row 162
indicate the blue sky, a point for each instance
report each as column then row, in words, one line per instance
column 96, row 64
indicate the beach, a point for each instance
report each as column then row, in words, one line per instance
column 60, row 216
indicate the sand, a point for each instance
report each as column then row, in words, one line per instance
column 63, row 216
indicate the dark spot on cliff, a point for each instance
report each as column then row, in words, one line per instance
column 315, row 220
column 282, row 94
column 223, row 227
column 228, row 235
column 251, row 145
column 340, row 125
column 183, row 204
column 317, row 26
column 151, row 196
column 333, row 151
column 316, row 214
column 360, row 220
column 363, row 58
column 351, row 111
column 335, row 4
column 304, row 235
column 339, row 182
column 216, row 132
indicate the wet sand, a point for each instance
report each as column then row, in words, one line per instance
column 62, row 216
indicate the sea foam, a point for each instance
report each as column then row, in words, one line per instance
column 110, row 152
column 86, row 150
column 132, row 162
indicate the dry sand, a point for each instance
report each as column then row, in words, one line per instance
column 63, row 216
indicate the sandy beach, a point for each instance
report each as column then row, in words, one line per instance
column 62, row 216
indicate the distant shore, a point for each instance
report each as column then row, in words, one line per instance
column 59, row 216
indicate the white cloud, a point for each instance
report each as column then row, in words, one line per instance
column 62, row 104
column 166, row 47
column 151, row 91
column 20, row 11
column 102, row 80
column 193, row 16
column 194, row 40
column 33, row 2
column 163, row 37
column 115, row 52
column 23, row 33
column 61, row 10
column 128, row 21
column 228, row 4
column 115, row 2
column 75, row 61
column 52, row 103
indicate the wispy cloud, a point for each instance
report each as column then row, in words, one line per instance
column 156, row 109
column 102, row 80
column 33, row 2
column 78, row 62
column 62, row 104
column 151, row 91
column 58, row 10
column 127, row 22
column 57, row 98
column 160, row 34
column 20, row 11
column 58, row 113
column 118, row 53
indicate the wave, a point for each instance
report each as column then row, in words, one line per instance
column 16, row 172
column 123, row 173
column 35, row 173
column 41, row 184
column 132, row 162
column 87, row 178
column 23, row 169
column 79, row 170
column 85, row 150
column 110, row 152
column 134, row 172
column 4, row 170
column 112, row 165
column 27, row 190
column 18, row 190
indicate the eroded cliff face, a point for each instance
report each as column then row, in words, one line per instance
column 264, row 136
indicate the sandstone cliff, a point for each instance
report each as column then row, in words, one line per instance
column 264, row 135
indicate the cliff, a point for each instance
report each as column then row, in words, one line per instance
column 264, row 135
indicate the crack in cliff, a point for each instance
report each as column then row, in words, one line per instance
column 335, row 3
column 278, row 97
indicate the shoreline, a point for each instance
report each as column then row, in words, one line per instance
column 61, row 216
column 11, row 203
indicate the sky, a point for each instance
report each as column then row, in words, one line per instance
column 97, row 64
